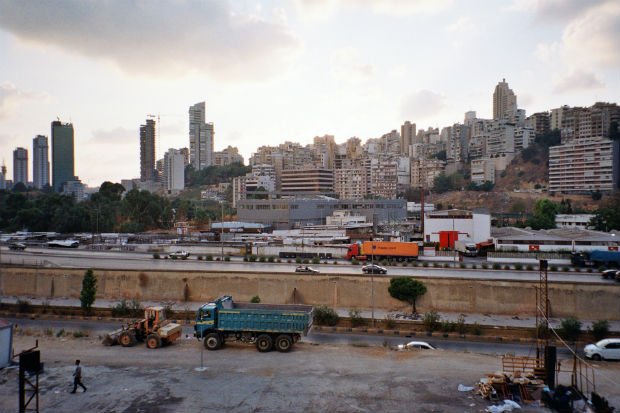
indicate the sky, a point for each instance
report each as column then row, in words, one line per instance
column 276, row 71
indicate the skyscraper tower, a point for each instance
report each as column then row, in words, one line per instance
column 63, row 161
column 20, row 166
column 201, row 137
column 407, row 135
column 147, row 151
column 504, row 102
column 40, row 162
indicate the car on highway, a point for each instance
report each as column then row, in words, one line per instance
column 374, row 269
column 610, row 274
column 608, row 349
column 17, row 246
column 179, row 254
column 416, row 345
column 305, row 268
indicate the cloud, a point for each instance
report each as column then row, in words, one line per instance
column 116, row 136
column 422, row 104
column 576, row 80
column 11, row 98
column 555, row 10
column 347, row 65
column 593, row 39
column 463, row 24
column 323, row 9
column 166, row 37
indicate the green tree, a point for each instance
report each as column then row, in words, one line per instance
column 607, row 216
column 570, row 328
column 89, row 290
column 407, row 289
column 544, row 215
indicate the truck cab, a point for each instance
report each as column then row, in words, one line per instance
column 205, row 319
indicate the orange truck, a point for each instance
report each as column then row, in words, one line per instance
column 380, row 250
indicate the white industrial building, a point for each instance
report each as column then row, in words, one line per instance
column 475, row 226
column 573, row 220
column 553, row 240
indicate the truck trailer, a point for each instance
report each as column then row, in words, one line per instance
column 379, row 250
column 267, row 326
column 596, row 258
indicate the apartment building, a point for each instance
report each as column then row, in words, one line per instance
column 424, row 172
column 351, row 183
column 227, row 156
column 307, row 180
column 482, row 170
column 584, row 165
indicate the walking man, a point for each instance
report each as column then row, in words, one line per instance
column 77, row 377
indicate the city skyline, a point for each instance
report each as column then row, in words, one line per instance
column 288, row 70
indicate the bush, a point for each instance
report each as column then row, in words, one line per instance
column 262, row 258
column 79, row 334
column 553, row 268
column 60, row 333
column 529, row 267
column 600, row 329
column 484, row 265
column 565, row 269
column 297, row 260
column 271, row 258
column 518, row 267
column 476, row 329
column 448, row 326
column 305, row 261
column 199, row 257
column 570, row 328
column 431, row 321
column 462, row 265
column 325, row 316
column 460, row 326
column 425, row 264
column 227, row 258
column 245, row 258
column 496, row 266
column 156, row 255
column 23, row 306
column 389, row 321
column 126, row 308
column 356, row 318
column 316, row 260
column 253, row 258
column 255, row 299
column 506, row 267
column 209, row 257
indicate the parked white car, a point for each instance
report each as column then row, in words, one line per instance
column 416, row 345
column 608, row 349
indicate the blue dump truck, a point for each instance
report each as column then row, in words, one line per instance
column 266, row 325
column 596, row 258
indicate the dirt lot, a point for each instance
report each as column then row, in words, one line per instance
column 311, row 378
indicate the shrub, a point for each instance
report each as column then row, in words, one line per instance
column 474, row 266
column 199, row 257
column 553, row 268
column 600, row 329
column 462, row 265
column 316, row 260
column 446, row 265
column 436, row 265
column 156, row 255
column 271, row 258
column 261, row 258
column 476, row 329
column 425, row 264
column 209, row 257
column 325, row 316
column 126, row 308
column 485, row 265
column 245, row 258
column 305, row 261
column 23, row 306
column 565, row 269
column 460, row 326
column 448, row 326
column 335, row 262
column 518, row 267
column 253, row 258
column 48, row 332
column 389, row 321
column 174, row 257
column 60, row 333
column 496, row 266
column 507, row 267
column 298, row 260
column 79, row 334
column 356, row 318
column 529, row 267
column 431, row 321
column 570, row 328
column 227, row 258
column 255, row 299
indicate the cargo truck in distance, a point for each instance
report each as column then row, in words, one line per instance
column 383, row 250
column 267, row 326
column 596, row 258
column 466, row 247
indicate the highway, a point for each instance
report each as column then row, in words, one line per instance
column 79, row 258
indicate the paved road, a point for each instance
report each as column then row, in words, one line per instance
column 70, row 258
column 99, row 328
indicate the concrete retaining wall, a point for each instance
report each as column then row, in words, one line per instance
column 586, row 301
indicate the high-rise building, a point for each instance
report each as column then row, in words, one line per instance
column 174, row 171
column 3, row 177
column 504, row 102
column 20, row 166
column 408, row 133
column 147, row 151
column 63, row 160
column 40, row 162
column 201, row 136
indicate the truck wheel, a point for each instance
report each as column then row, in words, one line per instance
column 153, row 341
column 127, row 339
column 212, row 341
column 284, row 343
column 264, row 343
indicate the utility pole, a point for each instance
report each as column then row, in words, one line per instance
column 222, row 233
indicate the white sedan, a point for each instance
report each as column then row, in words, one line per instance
column 607, row 349
column 416, row 345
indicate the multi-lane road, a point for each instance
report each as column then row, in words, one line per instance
column 78, row 258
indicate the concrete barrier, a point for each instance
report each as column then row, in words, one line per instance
column 587, row 301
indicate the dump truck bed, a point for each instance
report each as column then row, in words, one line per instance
column 277, row 318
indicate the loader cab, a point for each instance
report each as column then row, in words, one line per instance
column 154, row 316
